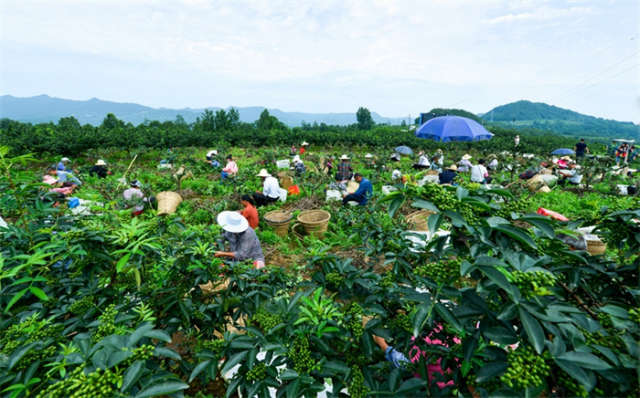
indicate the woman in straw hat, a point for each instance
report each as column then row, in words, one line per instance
column 303, row 147
column 244, row 244
column 465, row 164
column 99, row 169
column 344, row 168
column 449, row 176
column 270, row 191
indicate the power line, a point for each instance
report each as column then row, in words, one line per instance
column 588, row 80
column 601, row 81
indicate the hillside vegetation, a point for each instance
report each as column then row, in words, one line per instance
column 526, row 114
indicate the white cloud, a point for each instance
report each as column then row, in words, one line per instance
column 394, row 57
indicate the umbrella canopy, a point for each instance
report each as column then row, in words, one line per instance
column 563, row 151
column 453, row 128
column 404, row 150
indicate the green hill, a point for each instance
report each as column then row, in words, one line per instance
column 537, row 115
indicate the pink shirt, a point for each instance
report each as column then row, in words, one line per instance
column 231, row 167
column 415, row 353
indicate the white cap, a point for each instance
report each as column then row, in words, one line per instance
column 65, row 160
column 368, row 155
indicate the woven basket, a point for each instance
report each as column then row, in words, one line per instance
column 279, row 221
column 595, row 247
column 283, row 174
column 546, row 172
column 534, row 183
column 431, row 173
column 286, row 182
column 168, row 202
column 352, row 186
column 314, row 222
column 298, row 231
column 418, row 220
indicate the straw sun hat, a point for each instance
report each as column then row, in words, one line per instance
column 304, row 143
column 264, row 173
column 101, row 163
column 65, row 160
column 453, row 167
column 344, row 157
column 466, row 157
column 232, row 221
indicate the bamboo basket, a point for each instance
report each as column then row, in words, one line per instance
column 431, row 173
column 418, row 220
column 283, row 174
column 595, row 247
column 279, row 221
column 298, row 231
column 314, row 222
column 534, row 183
column 286, row 182
column 352, row 186
column 168, row 202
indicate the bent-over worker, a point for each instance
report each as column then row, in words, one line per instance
column 250, row 212
column 99, row 169
column 270, row 191
column 449, row 175
column 64, row 176
column 362, row 195
column 135, row 192
column 244, row 244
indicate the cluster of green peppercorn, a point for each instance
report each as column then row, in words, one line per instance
column 99, row 384
column 441, row 271
column 533, row 283
column 265, row 320
column 526, row 368
column 356, row 388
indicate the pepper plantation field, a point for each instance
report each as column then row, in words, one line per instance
column 103, row 304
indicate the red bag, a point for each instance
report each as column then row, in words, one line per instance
column 294, row 190
column 552, row 214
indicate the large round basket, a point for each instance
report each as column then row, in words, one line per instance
column 418, row 220
column 283, row 174
column 595, row 247
column 314, row 222
column 286, row 182
column 168, row 202
column 279, row 221
column 298, row 231
column 431, row 173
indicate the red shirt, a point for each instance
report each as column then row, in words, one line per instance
column 251, row 214
column 302, row 150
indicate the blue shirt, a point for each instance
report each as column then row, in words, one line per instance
column 60, row 166
column 64, row 176
column 397, row 359
column 215, row 163
column 364, row 192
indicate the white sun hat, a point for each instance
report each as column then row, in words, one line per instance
column 368, row 155
column 65, row 160
column 344, row 157
column 305, row 143
column 296, row 158
column 232, row 221
column 264, row 173
column 101, row 162
column 466, row 156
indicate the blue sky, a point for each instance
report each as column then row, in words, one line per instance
column 396, row 58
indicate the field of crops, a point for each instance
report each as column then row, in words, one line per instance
column 103, row 304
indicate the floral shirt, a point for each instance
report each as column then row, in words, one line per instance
column 244, row 245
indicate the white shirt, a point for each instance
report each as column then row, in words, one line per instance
column 271, row 187
column 477, row 173
column 424, row 161
column 575, row 177
column 493, row 164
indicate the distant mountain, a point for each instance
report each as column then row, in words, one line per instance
column 44, row 108
column 526, row 114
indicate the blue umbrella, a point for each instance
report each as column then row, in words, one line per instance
column 563, row 151
column 404, row 150
column 453, row 128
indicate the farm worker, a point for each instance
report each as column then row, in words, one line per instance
column 493, row 165
column 329, row 164
column 230, row 169
column 344, row 168
column 436, row 163
column 62, row 165
column 211, row 158
column 423, row 162
column 395, row 157
column 298, row 165
column 580, row 149
column 293, row 150
column 517, row 140
column 302, row 147
column 440, row 157
column 66, row 189
column 340, row 184
column 621, row 152
column 479, row 172
column 243, row 241
column 362, row 195
column 249, row 212
column 632, row 154
column 465, row 164
column 99, row 169
column 570, row 175
column 64, row 176
column 449, row 175
column 396, row 175
column 270, row 191
column 135, row 192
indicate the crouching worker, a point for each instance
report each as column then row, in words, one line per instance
column 244, row 244
column 362, row 195
column 135, row 198
column 270, row 191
